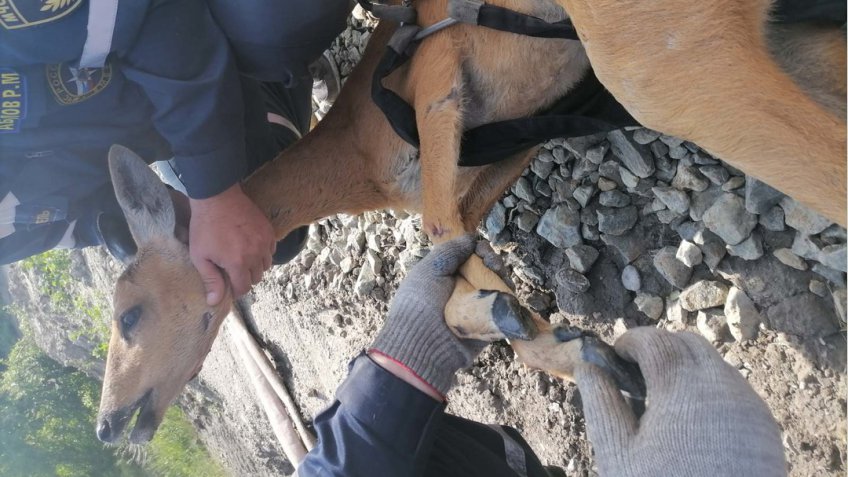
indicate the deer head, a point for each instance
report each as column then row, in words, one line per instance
column 162, row 328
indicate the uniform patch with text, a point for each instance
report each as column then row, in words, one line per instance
column 12, row 100
column 71, row 85
column 21, row 14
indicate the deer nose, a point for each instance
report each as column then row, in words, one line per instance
column 104, row 431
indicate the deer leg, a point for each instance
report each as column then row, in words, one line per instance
column 558, row 350
column 489, row 185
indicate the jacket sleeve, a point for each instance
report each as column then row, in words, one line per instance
column 378, row 425
column 183, row 63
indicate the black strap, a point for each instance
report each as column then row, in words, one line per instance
column 586, row 109
column 499, row 18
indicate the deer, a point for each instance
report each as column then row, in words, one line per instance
column 352, row 161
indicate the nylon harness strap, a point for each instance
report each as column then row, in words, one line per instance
column 589, row 106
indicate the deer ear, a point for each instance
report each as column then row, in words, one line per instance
column 142, row 196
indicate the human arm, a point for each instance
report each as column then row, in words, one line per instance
column 383, row 419
column 184, row 65
column 702, row 419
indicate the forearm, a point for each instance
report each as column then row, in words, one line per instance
column 379, row 425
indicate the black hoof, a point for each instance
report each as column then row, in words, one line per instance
column 626, row 375
column 512, row 319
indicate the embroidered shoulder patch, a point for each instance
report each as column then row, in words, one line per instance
column 71, row 85
column 21, row 14
column 13, row 100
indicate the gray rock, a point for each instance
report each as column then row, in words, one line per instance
column 674, row 271
column 496, row 220
column 590, row 232
column 542, row 168
column 634, row 156
column 733, row 183
column 714, row 251
column 628, row 178
column 616, row 221
column 728, row 219
column 524, row 190
column 583, row 194
column 365, row 282
column 606, row 184
column 834, row 234
column 610, row 170
column 749, row 249
column 773, row 219
column 805, row 315
column 545, row 155
column 630, row 278
column 659, row 149
column 654, row 206
column 645, row 136
column 675, row 312
column 802, row 218
column 539, row 302
column 614, row 198
column 650, row 305
column 572, row 280
column 818, row 288
column 712, row 324
column 579, row 145
column 834, row 256
column 583, row 168
column 560, row 156
column 703, row 294
column 701, row 201
column 678, row 152
column 668, row 216
column 666, row 169
column 597, row 153
column 581, row 257
column 689, row 254
column 543, row 189
column 742, row 316
column 374, row 262
column 790, row 259
column 510, row 201
column 833, row 276
column 629, row 246
column 526, row 220
column 688, row 230
column 803, row 246
column 760, row 197
column 560, row 226
column 703, row 159
column 671, row 140
column 674, row 199
column 716, row 174
column 839, row 302
column 689, row 178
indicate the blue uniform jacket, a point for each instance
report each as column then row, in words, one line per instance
column 380, row 426
column 170, row 88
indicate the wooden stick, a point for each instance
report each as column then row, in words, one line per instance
column 274, row 380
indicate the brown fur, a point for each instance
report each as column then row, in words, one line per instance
column 708, row 79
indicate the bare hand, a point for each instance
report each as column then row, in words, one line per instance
column 229, row 233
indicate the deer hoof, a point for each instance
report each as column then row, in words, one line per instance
column 512, row 319
column 626, row 375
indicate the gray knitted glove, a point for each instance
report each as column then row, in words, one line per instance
column 702, row 419
column 415, row 333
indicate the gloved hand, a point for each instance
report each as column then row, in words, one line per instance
column 415, row 333
column 702, row 417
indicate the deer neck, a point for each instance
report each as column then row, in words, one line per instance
column 322, row 174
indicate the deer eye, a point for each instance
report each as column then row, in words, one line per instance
column 129, row 319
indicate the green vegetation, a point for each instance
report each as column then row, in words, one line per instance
column 53, row 269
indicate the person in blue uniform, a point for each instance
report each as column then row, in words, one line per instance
column 215, row 87
column 702, row 418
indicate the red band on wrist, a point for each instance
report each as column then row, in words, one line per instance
column 407, row 368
